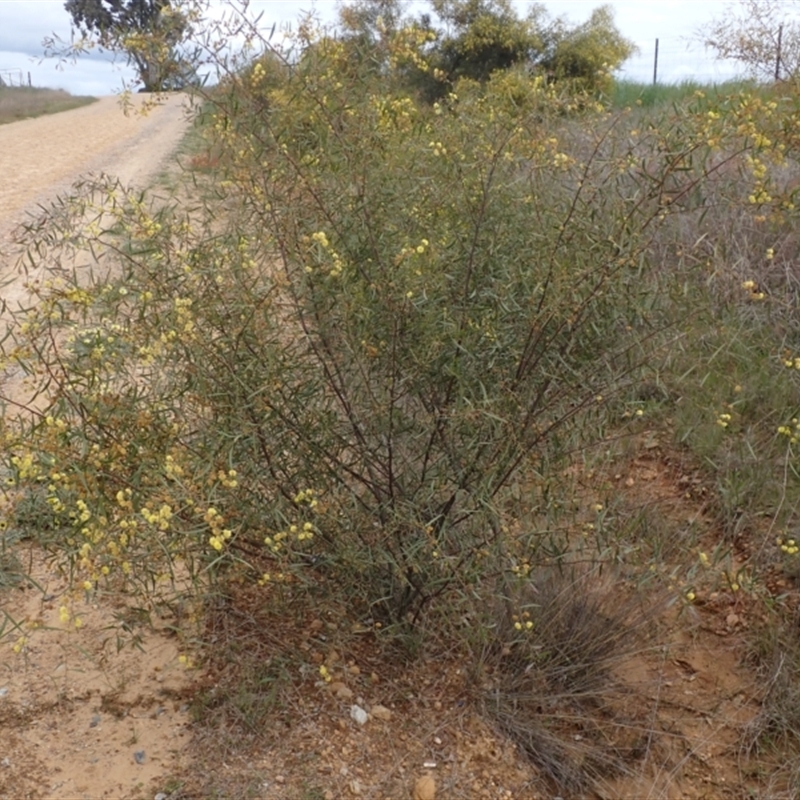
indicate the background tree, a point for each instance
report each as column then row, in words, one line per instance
column 148, row 32
column 759, row 34
column 483, row 36
column 371, row 20
column 475, row 38
column 587, row 53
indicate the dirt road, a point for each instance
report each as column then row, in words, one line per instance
column 78, row 717
column 40, row 158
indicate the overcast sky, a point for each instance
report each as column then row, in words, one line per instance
column 24, row 23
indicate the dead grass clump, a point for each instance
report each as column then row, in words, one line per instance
column 775, row 731
column 552, row 685
column 247, row 667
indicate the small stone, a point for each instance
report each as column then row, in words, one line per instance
column 139, row 756
column 359, row 715
column 95, row 721
column 280, row 779
column 4, row 691
column 355, row 788
column 340, row 690
column 354, row 669
column 161, row 796
column 381, row 712
column 425, row 788
column 731, row 620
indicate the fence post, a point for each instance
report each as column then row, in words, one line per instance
column 29, row 79
column 655, row 66
column 778, row 54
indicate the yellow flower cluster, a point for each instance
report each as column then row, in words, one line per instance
column 412, row 250
column 158, row 518
column 272, row 577
column 406, row 46
column 96, row 342
column 791, row 432
column 124, row 499
column 184, row 316
column 65, row 617
column 562, row 161
column 228, row 479
column 522, row 570
column 301, row 533
column 171, row 468
column 306, row 497
column 258, row 74
column 788, row 546
column 522, row 622
column 338, row 264
column 219, row 534
column 395, row 113
column 26, row 467
column 752, row 287
column 52, row 422
column 82, row 514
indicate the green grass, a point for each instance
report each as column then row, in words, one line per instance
column 631, row 93
column 24, row 102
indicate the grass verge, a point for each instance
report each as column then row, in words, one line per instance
column 633, row 93
column 24, row 102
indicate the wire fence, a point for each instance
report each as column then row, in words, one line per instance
column 14, row 77
column 671, row 60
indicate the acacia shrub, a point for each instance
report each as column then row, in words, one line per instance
column 327, row 372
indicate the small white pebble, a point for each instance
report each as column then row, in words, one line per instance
column 359, row 715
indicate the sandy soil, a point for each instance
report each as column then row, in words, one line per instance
column 42, row 157
column 79, row 717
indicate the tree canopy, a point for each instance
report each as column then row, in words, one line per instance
column 475, row 38
column 146, row 31
column 482, row 36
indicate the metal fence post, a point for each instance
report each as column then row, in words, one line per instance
column 655, row 65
